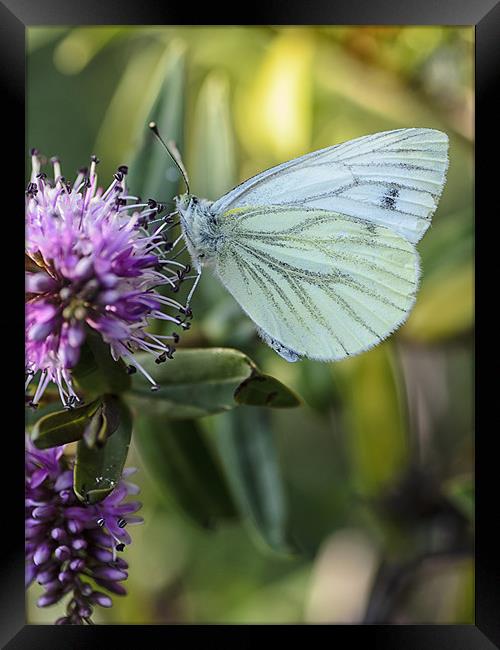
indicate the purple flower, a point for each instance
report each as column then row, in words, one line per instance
column 93, row 262
column 67, row 542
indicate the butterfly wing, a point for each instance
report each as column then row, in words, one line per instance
column 316, row 283
column 393, row 178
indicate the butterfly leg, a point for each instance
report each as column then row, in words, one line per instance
column 193, row 288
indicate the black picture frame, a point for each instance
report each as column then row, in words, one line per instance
column 15, row 17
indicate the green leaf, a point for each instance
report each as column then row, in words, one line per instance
column 97, row 372
column 103, row 423
column 461, row 492
column 212, row 161
column 192, row 384
column 96, row 430
column 63, row 427
column 152, row 172
column 202, row 382
column 98, row 469
column 183, row 467
column 32, row 415
column 246, row 446
column 374, row 418
column 264, row 390
column 111, row 408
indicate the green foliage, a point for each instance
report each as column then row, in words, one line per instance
column 96, row 430
column 264, row 390
column 99, row 468
column 97, row 372
column 461, row 492
column 183, row 468
column 201, row 382
column 247, row 450
column 152, row 173
column 212, row 160
column 32, row 415
column 377, row 443
column 63, row 427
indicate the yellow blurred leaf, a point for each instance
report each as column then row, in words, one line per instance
column 80, row 46
column 274, row 114
column 444, row 308
column 374, row 90
column 374, row 417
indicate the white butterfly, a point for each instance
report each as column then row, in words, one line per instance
column 320, row 251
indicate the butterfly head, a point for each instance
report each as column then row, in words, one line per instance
column 199, row 227
column 182, row 202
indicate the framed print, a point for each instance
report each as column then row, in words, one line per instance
column 249, row 325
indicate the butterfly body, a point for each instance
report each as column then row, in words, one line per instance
column 200, row 229
column 320, row 251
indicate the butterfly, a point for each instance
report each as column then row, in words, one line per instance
column 320, row 250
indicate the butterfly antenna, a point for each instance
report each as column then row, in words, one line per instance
column 173, row 152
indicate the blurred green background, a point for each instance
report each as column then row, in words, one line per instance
column 376, row 468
